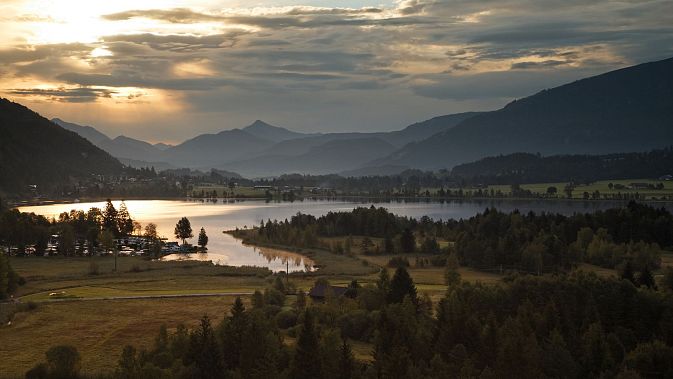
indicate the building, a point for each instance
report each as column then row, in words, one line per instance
column 319, row 292
column 638, row 186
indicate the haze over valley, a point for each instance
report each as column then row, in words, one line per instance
column 621, row 111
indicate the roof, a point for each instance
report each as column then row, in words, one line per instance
column 320, row 291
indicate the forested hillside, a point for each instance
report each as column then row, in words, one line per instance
column 34, row 150
column 532, row 168
column 620, row 111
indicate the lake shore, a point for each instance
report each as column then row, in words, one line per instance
column 343, row 198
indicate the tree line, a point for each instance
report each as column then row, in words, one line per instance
column 534, row 168
column 635, row 234
column 513, row 169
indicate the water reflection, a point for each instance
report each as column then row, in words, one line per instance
column 293, row 260
column 276, row 259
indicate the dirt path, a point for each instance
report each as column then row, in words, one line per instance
column 145, row 297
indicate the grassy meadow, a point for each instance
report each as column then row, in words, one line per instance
column 600, row 186
column 246, row 192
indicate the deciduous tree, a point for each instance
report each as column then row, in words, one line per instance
column 183, row 230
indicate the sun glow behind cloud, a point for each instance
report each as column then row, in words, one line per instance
column 71, row 21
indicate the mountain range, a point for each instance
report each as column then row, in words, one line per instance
column 626, row 110
column 119, row 147
column 261, row 149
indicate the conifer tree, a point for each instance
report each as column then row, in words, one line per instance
column 306, row 362
column 646, row 279
column 383, row 283
column 346, row 361
column 408, row 241
column 124, row 221
column 110, row 218
column 233, row 329
column 627, row 272
column 402, row 285
column 203, row 239
column 204, row 352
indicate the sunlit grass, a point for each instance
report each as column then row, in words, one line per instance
column 98, row 329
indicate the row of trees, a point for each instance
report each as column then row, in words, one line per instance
column 19, row 230
column 514, row 169
column 529, row 242
column 90, row 229
column 566, row 326
column 550, row 242
column 183, row 231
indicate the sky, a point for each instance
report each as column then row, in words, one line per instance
column 172, row 69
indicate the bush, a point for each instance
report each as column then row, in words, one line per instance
column 270, row 310
column 397, row 262
column 286, row 319
column 136, row 268
column 356, row 325
column 274, row 297
column 63, row 361
column 163, row 359
column 652, row 357
column 93, row 268
column 438, row 261
column 39, row 371
column 430, row 246
column 27, row 307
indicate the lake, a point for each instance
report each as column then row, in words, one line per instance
column 226, row 250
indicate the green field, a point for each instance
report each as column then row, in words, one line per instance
column 99, row 329
column 600, row 186
column 248, row 192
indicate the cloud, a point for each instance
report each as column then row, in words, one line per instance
column 67, row 95
column 508, row 84
column 131, row 79
column 296, row 11
column 31, row 53
column 295, row 17
column 408, row 7
column 538, row 65
column 178, row 43
column 384, row 65
column 177, row 15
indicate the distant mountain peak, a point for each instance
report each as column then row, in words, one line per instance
column 270, row 132
column 260, row 123
column 88, row 132
column 163, row 146
column 263, row 126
